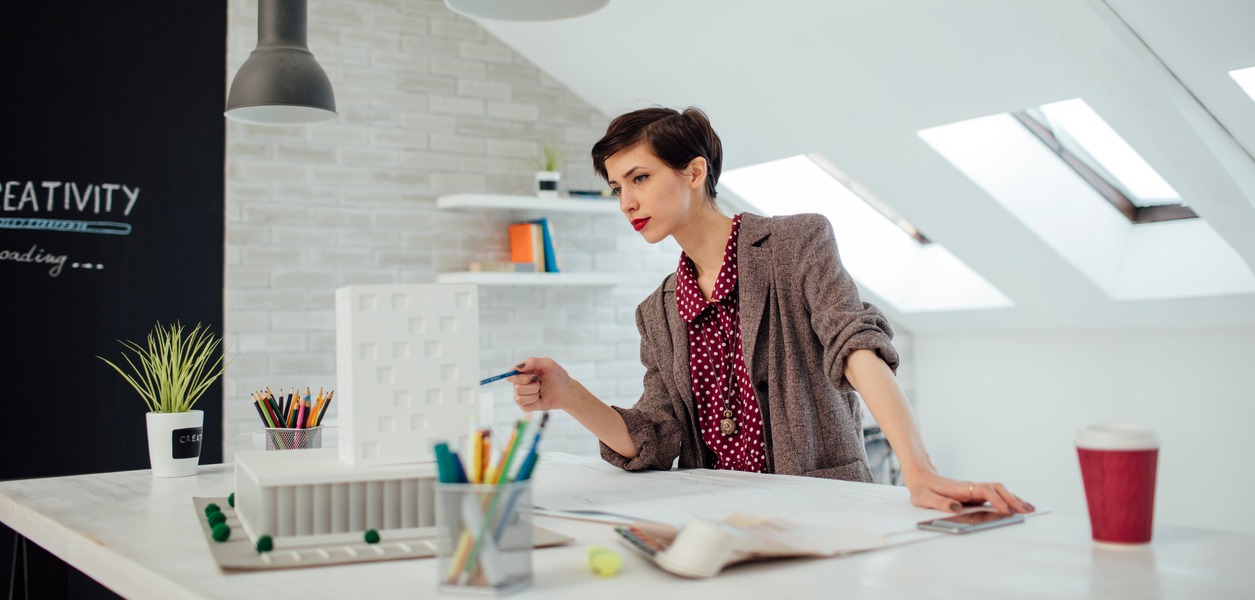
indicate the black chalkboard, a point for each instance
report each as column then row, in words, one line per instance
column 111, row 217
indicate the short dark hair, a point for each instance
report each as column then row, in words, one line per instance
column 674, row 137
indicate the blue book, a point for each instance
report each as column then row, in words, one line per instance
column 551, row 259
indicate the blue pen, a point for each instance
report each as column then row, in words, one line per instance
column 496, row 377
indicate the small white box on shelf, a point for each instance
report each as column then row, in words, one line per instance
column 407, row 362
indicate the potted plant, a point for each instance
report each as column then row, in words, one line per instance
column 171, row 372
column 548, row 174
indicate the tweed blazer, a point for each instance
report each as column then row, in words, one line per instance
column 801, row 317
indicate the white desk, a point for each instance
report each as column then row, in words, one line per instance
column 140, row 537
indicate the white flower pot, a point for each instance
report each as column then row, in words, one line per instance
column 547, row 183
column 174, row 441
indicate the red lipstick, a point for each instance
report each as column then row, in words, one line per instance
column 639, row 224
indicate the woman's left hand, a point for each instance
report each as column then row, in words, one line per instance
column 931, row 490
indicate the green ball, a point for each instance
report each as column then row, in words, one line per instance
column 217, row 518
column 231, row 499
column 372, row 536
column 604, row 561
column 221, row 532
column 265, row 544
column 211, row 508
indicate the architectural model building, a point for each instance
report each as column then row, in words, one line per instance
column 311, row 497
column 407, row 362
column 407, row 368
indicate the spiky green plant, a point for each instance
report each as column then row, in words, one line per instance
column 551, row 157
column 173, row 369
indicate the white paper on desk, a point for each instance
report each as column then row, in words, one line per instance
column 567, row 483
column 835, row 541
column 796, row 539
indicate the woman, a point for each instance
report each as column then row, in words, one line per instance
column 754, row 346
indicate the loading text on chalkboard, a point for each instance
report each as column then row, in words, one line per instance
column 36, row 255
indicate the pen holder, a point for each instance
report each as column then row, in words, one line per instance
column 283, row 438
column 484, row 537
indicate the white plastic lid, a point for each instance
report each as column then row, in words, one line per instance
column 1117, row 436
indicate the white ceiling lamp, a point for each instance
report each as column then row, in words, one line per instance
column 525, row 10
column 281, row 83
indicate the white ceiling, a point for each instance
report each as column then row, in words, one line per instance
column 856, row 80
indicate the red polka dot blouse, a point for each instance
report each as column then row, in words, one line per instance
column 729, row 418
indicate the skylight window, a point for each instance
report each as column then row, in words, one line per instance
column 1043, row 187
column 870, row 198
column 1246, row 79
column 1086, row 135
column 884, row 258
column 1087, row 144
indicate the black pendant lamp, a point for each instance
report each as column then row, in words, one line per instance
column 281, row 83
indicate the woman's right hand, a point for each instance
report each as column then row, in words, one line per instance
column 541, row 384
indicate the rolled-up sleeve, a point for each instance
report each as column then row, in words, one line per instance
column 840, row 319
column 652, row 422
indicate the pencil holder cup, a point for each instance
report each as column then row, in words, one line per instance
column 484, row 537
column 282, row 438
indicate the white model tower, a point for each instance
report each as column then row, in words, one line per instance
column 407, row 359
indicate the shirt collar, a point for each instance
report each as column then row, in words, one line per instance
column 688, row 296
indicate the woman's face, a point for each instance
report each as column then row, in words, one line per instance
column 656, row 199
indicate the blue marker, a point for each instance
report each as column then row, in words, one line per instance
column 445, row 469
column 496, row 377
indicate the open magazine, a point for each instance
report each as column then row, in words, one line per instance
column 703, row 547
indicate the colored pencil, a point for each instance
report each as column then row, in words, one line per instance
column 485, row 455
column 265, row 416
column 325, row 407
column 300, row 416
column 270, row 409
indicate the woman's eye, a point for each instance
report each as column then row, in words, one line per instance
column 615, row 192
column 640, row 178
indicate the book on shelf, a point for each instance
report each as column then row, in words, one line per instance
column 546, row 235
column 527, row 245
column 532, row 243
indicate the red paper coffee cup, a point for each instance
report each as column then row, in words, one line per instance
column 1118, row 465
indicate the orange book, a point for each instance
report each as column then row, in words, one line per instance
column 526, row 245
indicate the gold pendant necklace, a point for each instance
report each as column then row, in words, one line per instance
column 728, row 425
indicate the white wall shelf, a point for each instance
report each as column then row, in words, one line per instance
column 589, row 279
column 536, row 203
column 489, row 201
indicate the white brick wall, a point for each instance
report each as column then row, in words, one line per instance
column 430, row 104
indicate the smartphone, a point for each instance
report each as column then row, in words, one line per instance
column 973, row 521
